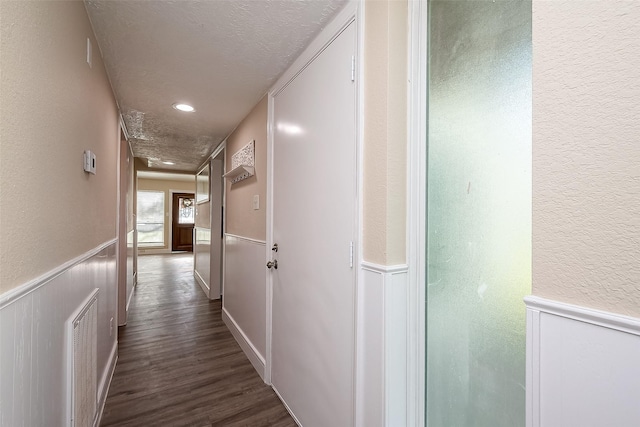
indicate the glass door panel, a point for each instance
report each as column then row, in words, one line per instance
column 479, row 212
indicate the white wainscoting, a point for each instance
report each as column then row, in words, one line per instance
column 202, row 258
column 245, row 293
column 583, row 366
column 381, row 377
column 32, row 337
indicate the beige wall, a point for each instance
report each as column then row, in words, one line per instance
column 52, row 108
column 242, row 219
column 586, row 156
column 165, row 185
column 385, row 131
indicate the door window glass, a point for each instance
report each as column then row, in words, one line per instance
column 186, row 212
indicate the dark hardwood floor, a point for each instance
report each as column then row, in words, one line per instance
column 178, row 364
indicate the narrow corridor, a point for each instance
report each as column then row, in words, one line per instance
column 178, row 364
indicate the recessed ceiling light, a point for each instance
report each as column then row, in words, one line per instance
column 184, row 107
column 168, row 163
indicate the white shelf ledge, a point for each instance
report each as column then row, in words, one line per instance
column 239, row 173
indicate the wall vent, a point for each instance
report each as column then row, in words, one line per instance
column 82, row 330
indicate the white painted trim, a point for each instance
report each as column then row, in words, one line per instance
column 69, row 353
column 129, row 299
column 384, row 269
column 532, row 369
column 359, row 353
column 250, row 351
column 538, row 308
column 123, row 126
column 105, row 382
column 605, row 319
column 269, row 236
column 201, row 282
column 341, row 21
column 417, row 211
column 142, row 251
column 213, row 154
column 248, row 239
column 295, row 419
column 219, row 149
column 383, row 346
column 119, row 266
column 15, row 294
column 223, row 254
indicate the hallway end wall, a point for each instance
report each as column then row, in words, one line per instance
column 165, row 185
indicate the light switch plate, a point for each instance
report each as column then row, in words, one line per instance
column 89, row 162
column 256, row 202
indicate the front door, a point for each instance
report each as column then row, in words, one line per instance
column 183, row 219
column 314, row 213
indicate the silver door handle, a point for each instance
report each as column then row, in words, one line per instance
column 272, row 264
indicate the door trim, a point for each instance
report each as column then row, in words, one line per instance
column 351, row 13
column 416, row 213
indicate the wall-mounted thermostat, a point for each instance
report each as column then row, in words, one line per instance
column 89, row 162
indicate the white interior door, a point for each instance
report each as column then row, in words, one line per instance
column 314, row 215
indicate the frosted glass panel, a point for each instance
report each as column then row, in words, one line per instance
column 479, row 212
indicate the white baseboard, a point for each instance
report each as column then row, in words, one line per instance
column 105, row 382
column 297, row 421
column 582, row 366
column 153, row 251
column 249, row 349
column 202, row 283
column 129, row 298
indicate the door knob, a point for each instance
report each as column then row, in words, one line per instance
column 272, row 264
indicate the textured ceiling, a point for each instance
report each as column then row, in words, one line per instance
column 220, row 56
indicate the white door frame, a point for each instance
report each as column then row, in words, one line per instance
column 416, row 211
column 346, row 16
column 221, row 149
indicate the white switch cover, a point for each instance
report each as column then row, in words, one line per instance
column 89, row 162
column 256, row 202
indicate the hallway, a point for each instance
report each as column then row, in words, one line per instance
column 178, row 364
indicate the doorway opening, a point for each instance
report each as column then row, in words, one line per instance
column 183, row 219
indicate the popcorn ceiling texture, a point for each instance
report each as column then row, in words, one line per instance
column 219, row 56
column 586, row 156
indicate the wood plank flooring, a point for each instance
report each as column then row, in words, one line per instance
column 178, row 364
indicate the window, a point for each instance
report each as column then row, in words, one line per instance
column 150, row 218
